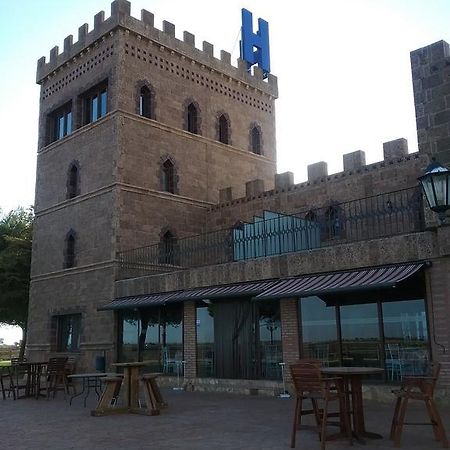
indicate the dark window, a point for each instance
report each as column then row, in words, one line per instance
column 192, row 118
column 95, row 104
column 72, row 181
column 69, row 260
column 145, row 102
column 168, row 177
column 167, row 249
column 60, row 122
column 255, row 136
column 205, row 340
column 223, row 129
column 68, row 333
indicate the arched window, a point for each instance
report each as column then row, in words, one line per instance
column 224, row 132
column 146, row 102
column 69, row 252
column 73, row 178
column 192, row 118
column 167, row 248
column 255, row 140
column 168, row 176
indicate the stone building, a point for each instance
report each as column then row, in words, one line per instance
column 163, row 232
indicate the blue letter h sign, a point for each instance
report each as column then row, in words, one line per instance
column 260, row 40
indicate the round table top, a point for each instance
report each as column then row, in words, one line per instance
column 132, row 364
column 351, row 370
column 89, row 375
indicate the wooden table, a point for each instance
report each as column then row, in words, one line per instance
column 33, row 383
column 130, row 387
column 90, row 380
column 353, row 391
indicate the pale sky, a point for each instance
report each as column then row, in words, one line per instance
column 342, row 65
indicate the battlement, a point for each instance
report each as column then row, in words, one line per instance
column 165, row 38
column 395, row 154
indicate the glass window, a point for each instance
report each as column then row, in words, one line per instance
column 360, row 331
column 61, row 122
column 205, row 340
column 223, row 129
column 192, row 119
column 145, row 102
column 319, row 331
column 168, row 176
column 95, row 103
column 406, row 338
column 70, row 251
column 255, row 137
column 68, row 333
column 270, row 347
column 129, row 336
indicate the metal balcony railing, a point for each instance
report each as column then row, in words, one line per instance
column 378, row 216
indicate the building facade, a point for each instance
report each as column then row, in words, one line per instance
column 164, row 234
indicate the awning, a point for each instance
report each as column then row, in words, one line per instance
column 249, row 289
column 335, row 282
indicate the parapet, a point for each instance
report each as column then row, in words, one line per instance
column 165, row 38
column 395, row 149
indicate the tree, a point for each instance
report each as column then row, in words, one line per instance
column 15, row 261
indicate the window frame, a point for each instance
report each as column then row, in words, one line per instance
column 95, row 103
column 64, row 115
column 63, row 324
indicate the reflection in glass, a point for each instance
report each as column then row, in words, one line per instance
column 130, row 334
column 205, row 341
column 94, row 109
column 360, row 335
column 270, row 340
column 102, row 111
column 319, row 331
column 406, row 338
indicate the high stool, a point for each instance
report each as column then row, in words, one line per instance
column 418, row 388
column 152, row 394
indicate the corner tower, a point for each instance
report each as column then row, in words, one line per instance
column 138, row 132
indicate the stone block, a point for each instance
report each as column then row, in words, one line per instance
column 284, row 180
column 317, row 170
column 254, row 188
column 397, row 148
column 354, row 160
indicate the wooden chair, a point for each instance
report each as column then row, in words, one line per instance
column 56, row 376
column 418, row 388
column 309, row 384
column 17, row 376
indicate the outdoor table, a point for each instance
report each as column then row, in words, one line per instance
column 34, row 372
column 353, row 378
column 130, row 386
column 90, row 380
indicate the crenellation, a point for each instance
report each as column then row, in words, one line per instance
column 317, row 171
column 208, row 49
column 397, row 148
column 54, row 52
column 189, row 38
column 168, row 28
column 120, row 17
column 354, row 160
column 147, row 17
column 258, row 73
column 284, row 181
column 68, row 42
column 99, row 18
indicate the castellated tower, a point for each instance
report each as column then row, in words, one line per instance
column 138, row 132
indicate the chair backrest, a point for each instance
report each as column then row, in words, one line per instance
column 57, row 364
column 306, row 376
column 15, row 361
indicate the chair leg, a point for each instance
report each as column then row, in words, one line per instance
column 294, row 426
column 344, row 418
column 440, row 426
column 323, row 434
column 395, row 418
column 401, row 419
column 316, row 411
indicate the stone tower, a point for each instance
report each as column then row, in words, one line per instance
column 138, row 133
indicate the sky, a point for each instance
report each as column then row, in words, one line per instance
column 342, row 65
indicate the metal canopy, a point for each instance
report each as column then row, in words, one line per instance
column 249, row 289
column 334, row 282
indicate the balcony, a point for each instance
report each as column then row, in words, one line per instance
column 272, row 234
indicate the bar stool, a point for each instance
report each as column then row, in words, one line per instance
column 152, row 394
column 418, row 388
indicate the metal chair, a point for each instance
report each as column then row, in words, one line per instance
column 309, row 384
column 418, row 388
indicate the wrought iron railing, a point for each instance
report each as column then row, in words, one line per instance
column 382, row 215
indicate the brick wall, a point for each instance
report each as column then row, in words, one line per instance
column 289, row 332
column 190, row 339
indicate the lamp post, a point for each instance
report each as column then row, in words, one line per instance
column 436, row 186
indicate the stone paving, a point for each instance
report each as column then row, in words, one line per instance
column 193, row 420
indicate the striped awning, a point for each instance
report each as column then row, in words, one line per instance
column 249, row 289
column 335, row 282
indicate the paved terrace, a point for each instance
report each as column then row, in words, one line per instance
column 194, row 420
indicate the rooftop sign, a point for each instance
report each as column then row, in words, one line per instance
column 255, row 46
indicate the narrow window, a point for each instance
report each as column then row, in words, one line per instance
column 192, row 119
column 223, row 129
column 255, row 138
column 68, row 333
column 168, row 176
column 167, row 249
column 95, row 104
column 70, row 251
column 72, row 182
column 145, row 102
column 61, row 123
